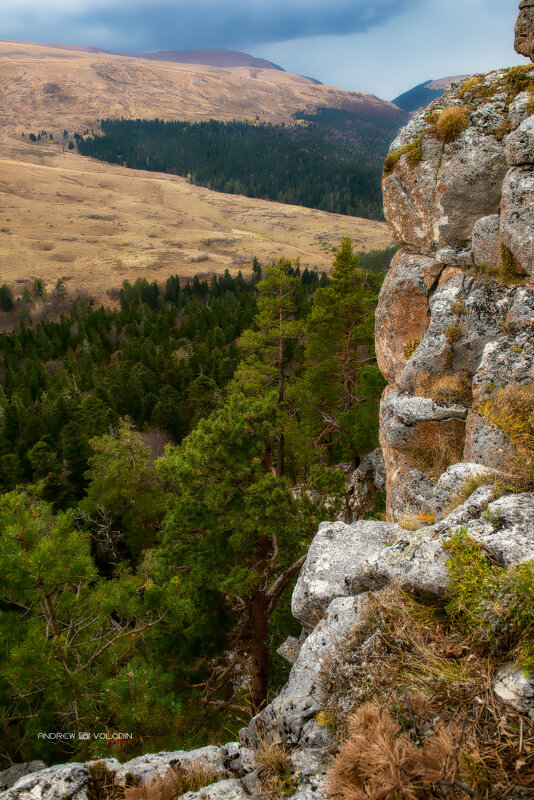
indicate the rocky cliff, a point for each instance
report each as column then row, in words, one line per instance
column 455, row 343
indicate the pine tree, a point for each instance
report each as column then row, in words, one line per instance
column 235, row 533
column 275, row 326
column 341, row 385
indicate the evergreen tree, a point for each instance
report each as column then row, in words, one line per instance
column 235, row 534
column 266, row 367
column 68, row 638
column 341, row 385
column 123, row 484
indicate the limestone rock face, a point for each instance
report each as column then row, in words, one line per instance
column 333, row 565
column 9, row 777
column 454, row 323
column 64, row 782
column 434, row 204
column 417, row 560
column 291, row 715
column 403, row 314
column 524, row 29
column 144, row 768
column 517, row 218
column 364, row 483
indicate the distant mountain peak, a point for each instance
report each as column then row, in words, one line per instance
column 210, row 58
column 424, row 93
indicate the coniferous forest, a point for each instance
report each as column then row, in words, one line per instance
column 166, row 465
column 330, row 160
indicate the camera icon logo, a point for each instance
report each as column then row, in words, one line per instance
column 84, row 736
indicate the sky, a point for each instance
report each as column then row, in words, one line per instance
column 380, row 46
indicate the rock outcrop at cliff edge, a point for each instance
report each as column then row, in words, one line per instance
column 454, row 324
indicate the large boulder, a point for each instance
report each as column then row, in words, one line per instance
column 63, row 782
column 9, row 777
column 519, row 146
column 146, row 767
column 291, row 714
column 403, row 313
column 418, row 561
column 432, row 201
column 333, row 565
column 517, row 216
column 524, row 29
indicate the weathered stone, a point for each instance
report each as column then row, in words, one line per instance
column 450, row 484
column 310, row 765
column 524, row 30
column 466, row 314
column 332, row 566
column 434, row 204
column 418, row 561
column 308, row 793
column 63, row 782
column 143, row 768
column 402, row 314
column 403, row 412
column 300, row 698
column 238, row 760
column 486, row 242
column 517, row 216
column 506, row 360
column 519, row 109
column 455, row 256
column 222, row 790
column 289, row 650
column 514, row 689
column 519, row 146
column 9, row 777
column 486, row 444
column 409, row 490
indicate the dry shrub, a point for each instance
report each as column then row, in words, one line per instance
column 471, row 484
column 446, row 389
column 414, row 523
column 450, row 123
column 408, row 659
column 380, row 761
column 273, row 766
column 174, row 783
column 512, row 410
column 432, row 455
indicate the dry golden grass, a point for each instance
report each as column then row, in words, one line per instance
column 433, row 455
column 418, row 674
column 53, row 87
column 512, row 410
column 273, row 766
column 445, row 389
column 450, row 123
column 380, row 761
column 99, row 224
column 174, row 783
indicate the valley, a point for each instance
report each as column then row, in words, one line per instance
column 94, row 224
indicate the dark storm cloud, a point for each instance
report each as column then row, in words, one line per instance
column 172, row 24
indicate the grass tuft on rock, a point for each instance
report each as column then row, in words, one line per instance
column 447, row 390
column 512, row 410
column 175, row 782
column 451, row 123
column 412, row 676
column 273, row 767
